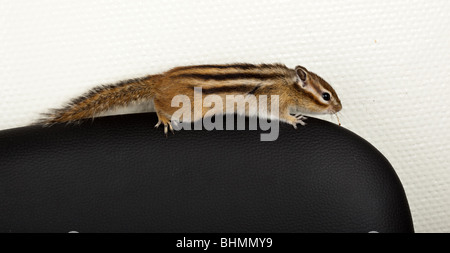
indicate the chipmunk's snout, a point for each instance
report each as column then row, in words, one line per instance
column 337, row 107
column 334, row 107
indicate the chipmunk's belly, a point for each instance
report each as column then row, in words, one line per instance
column 137, row 107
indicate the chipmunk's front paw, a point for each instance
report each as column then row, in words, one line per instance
column 296, row 119
column 300, row 119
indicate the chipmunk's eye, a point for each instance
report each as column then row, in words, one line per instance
column 326, row 96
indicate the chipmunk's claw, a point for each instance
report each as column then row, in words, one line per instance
column 171, row 128
column 167, row 127
column 165, row 130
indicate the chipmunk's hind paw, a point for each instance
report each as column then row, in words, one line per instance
column 167, row 125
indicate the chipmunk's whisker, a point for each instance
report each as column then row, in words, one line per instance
column 337, row 117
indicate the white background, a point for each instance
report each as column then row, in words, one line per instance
column 388, row 60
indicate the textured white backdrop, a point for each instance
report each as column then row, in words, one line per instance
column 388, row 60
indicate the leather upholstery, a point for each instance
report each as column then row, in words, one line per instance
column 119, row 174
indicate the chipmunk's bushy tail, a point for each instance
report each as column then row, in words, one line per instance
column 101, row 99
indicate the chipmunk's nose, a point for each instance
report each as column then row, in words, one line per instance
column 338, row 107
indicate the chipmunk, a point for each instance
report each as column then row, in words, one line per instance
column 299, row 91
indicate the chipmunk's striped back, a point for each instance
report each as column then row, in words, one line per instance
column 234, row 78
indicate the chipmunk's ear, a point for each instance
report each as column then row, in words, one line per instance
column 302, row 73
